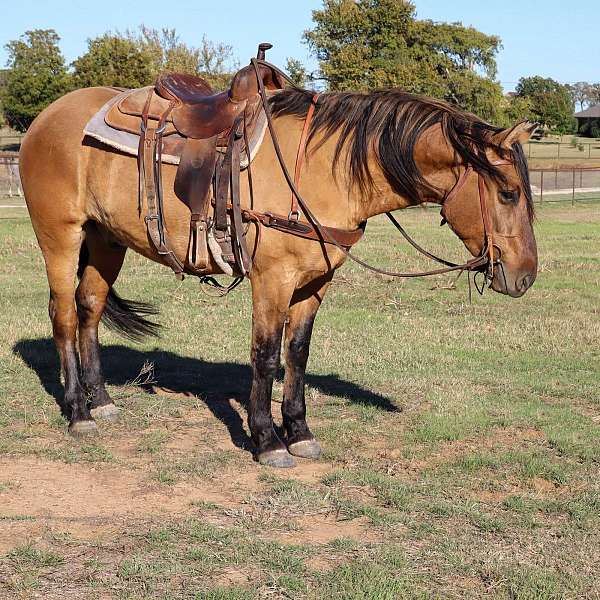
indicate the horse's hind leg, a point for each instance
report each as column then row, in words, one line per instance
column 99, row 266
column 303, row 310
column 61, row 253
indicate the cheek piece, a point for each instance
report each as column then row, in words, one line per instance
column 487, row 257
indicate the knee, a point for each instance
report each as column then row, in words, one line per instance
column 63, row 315
column 89, row 305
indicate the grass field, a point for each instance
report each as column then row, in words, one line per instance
column 462, row 440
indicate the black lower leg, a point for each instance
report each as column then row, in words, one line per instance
column 75, row 396
column 294, row 405
column 91, row 368
column 89, row 309
column 265, row 362
column 64, row 328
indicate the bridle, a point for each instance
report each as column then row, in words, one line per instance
column 484, row 263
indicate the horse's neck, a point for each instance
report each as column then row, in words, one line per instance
column 329, row 198
column 334, row 199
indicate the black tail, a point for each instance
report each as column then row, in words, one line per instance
column 126, row 317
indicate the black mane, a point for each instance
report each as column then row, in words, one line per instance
column 394, row 120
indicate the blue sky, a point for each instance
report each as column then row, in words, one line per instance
column 553, row 38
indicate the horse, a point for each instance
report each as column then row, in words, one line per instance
column 367, row 154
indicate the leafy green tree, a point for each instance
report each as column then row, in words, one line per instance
column 216, row 63
column 213, row 61
column 367, row 44
column 36, row 77
column 551, row 102
column 112, row 60
column 166, row 51
column 297, row 72
column 514, row 109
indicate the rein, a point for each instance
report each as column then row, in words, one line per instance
column 485, row 262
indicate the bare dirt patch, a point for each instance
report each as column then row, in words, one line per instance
column 500, row 438
column 321, row 529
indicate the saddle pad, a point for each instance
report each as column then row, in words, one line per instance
column 125, row 141
column 173, row 145
column 126, row 114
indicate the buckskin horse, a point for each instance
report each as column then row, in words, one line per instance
column 357, row 155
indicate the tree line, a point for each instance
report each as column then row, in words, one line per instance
column 359, row 45
column 38, row 74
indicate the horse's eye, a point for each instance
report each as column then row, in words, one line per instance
column 511, row 196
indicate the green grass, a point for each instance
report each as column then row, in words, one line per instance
column 462, row 441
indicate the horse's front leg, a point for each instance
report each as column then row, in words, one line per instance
column 303, row 310
column 271, row 299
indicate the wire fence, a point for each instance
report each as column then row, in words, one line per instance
column 563, row 151
column 574, row 184
column 577, row 184
column 10, row 181
column 11, row 143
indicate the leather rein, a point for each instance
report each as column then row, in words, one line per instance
column 485, row 262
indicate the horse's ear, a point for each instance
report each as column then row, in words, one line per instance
column 521, row 133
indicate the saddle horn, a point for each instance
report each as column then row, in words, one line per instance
column 262, row 49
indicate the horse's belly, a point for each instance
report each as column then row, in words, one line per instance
column 114, row 202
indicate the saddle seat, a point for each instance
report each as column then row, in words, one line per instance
column 200, row 114
column 188, row 89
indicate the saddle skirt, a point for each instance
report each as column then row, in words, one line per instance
column 118, row 125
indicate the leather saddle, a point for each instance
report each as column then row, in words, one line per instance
column 180, row 115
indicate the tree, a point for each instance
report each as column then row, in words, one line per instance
column 581, row 93
column 36, row 77
column 213, row 61
column 594, row 94
column 514, row 109
column 551, row 102
column 113, row 60
column 367, row 44
column 216, row 63
column 296, row 71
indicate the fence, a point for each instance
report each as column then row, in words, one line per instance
column 11, row 142
column 577, row 184
column 10, row 182
column 559, row 150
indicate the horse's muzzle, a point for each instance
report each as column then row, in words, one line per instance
column 511, row 284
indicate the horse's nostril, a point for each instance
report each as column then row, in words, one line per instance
column 526, row 282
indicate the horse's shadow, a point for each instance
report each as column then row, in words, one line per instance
column 216, row 383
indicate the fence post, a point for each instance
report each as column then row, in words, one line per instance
column 559, row 150
column 573, row 198
column 541, row 186
column 589, row 151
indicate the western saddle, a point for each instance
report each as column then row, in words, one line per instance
column 211, row 133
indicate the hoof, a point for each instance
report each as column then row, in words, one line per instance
column 280, row 459
column 109, row 412
column 306, row 449
column 83, row 428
